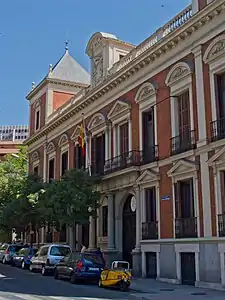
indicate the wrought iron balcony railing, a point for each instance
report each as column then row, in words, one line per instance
column 123, row 161
column 221, row 225
column 186, row 228
column 150, row 230
column 149, row 155
column 217, row 129
column 183, row 142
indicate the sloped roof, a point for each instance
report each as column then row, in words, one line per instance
column 68, row 69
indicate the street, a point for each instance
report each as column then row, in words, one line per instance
column 17, row 284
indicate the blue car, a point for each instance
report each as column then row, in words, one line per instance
column 23, row 257
column 78, row 266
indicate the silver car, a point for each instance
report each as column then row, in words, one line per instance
column 7, row 251
column 48, row 256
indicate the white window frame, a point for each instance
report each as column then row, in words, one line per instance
column 50, row 157
column 64, row 147
column 36, row 164
column 146, row 102
column 178, row 86
column 176, row 177
column 216, row 67
column 117, row 119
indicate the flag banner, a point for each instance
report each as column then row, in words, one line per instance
column 81, row 139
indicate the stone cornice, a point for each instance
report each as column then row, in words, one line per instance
column 47, row 80
column 160, row 48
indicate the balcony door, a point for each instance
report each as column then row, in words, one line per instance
column 186, row 225
column 184, row 117
column 98, row 154
column 221, row 96
column 148, row 135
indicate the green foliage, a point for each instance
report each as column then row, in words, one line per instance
column 25, row 199
column 71, row 198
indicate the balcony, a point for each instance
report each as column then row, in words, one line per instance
column 97, row 168
column 186, row 228
column 221, row 225
column 217, row 130
column 149, row 155
column 182, row 142
column 150, row 231
column 123, row 161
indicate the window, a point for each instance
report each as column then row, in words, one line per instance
column 64, row 162
column 24, row 251
column 35, row 170
column 98, row 154
column 95, row 259
column 124, row 142
column 184, row 114
column 121, row 56
column 60, row 251
column 148, row 135
column 79, row 160
column 104, row 220
column 150, row 202
column 222, row 180
column 184, row 205
column 37, row 119
column 43, row 251
column 221, row 96
column 51, row 169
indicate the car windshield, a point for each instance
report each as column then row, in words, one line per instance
column 59, row 251
column 4, row 247
column 14, row 248
column 33, row 251
column 95, row 259
column 23, row 251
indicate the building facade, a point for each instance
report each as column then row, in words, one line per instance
column 11, row 137
column 156, row 133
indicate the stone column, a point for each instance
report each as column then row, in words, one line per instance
column 87, row 153
column 110, row 141
column 130, row 135
column 92, row 233
column 200, row 95
column 111, row 236
column 115, row 141
column 107, row 144
column 137, row 261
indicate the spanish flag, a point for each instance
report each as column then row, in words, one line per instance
column 81, row 139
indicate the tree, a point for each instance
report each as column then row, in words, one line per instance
column 69, row 199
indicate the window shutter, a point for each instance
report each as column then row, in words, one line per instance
column 124, row 143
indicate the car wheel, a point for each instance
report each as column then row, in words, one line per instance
column 123, row 286
column 43, row 271
column 4, row 260
column 72, row 278
column 23, row 266
column 31, row 268
column 56, row 274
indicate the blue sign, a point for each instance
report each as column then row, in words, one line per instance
column 165, row 198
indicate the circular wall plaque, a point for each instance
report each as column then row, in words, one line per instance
column 133, row 204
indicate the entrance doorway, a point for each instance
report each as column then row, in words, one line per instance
column 129, row 230
column 151, row 265
column 188, row 272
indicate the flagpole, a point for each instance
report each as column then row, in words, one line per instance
column 87, row 145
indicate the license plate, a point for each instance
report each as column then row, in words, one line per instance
column 93, row 269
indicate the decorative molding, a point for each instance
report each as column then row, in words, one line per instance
column 50, row 148
column 63, row 140
column 119, row 109
column 148, row 176
column 35, row 156
column 145, row 91
column 75, row 133
column 37, row 103
column 97, row 120
column 215, row 50
column 218, row 158
column 178, row 72
column 182, row 167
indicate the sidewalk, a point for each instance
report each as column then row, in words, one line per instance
column 150, row 289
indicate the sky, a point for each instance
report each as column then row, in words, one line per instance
column 33, row 35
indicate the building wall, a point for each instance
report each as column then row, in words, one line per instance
column 203, row 162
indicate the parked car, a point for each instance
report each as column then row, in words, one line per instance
column 80, row 266
column 47, row 256
column 23, row 257
column 7, row 251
